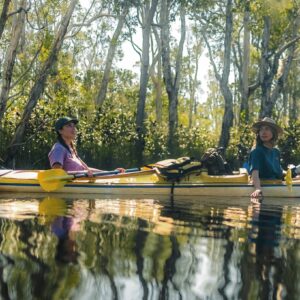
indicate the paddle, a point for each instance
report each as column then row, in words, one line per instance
column 54, row 179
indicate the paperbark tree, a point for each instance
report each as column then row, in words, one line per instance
column 194, row 51
column 156, row 77
column 244, row 111
column 147, row 14
column 9, row 61
column 241, row 52
column 276, row 45
column 39, row 85
column 147, row 11
column 271, row 86
column 223, row 78
column 4, row 16
column 109, row 59
column 171, row 81
column 293, row 88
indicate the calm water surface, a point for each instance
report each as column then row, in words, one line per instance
column 148, row 248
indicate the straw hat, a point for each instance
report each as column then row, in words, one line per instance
column 267, row 122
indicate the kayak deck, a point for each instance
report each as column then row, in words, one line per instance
column 150, row 183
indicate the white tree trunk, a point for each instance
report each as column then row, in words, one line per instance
column 3, row 17
column 149, row 12
column 9, row 61
column 171, row 82
column 109, row 59
column 39, row 85
column 245, row 64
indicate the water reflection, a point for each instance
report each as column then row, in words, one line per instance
column 188, row 248
column 265, row 237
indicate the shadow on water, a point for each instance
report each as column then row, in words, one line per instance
column 156, row 248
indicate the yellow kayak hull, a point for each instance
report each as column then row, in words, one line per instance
column 149, row 183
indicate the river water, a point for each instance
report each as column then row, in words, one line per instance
column 75, row 247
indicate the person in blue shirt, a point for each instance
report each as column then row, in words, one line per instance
column 264, row 160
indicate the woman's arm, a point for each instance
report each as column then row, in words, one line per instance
column 256, row 183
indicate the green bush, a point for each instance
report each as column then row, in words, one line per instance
column 107, row 139
column 289, row 145
column 241, row 142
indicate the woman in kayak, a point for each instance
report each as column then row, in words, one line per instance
column 63, row 154
column 264, row 160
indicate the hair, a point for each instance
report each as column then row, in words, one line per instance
column 63, row 143
column 259, row 142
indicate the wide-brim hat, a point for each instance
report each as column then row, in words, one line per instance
column 61, row 122
column 267, row 122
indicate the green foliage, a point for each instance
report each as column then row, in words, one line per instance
column 155, row 142
column 289, row 145
column 106, row 138
column 241, row 142
column 194, row 141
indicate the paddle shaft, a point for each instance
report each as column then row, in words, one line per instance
column 104, row 173
column 54, row 179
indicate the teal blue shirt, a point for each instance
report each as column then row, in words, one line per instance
column 266, row 161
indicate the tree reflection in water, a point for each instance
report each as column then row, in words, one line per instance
column 267, row 260
column 147, row 249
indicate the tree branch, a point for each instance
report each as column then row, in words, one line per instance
column 135, row 47
column 29, row 67
column 287, row 45
column 218, row 76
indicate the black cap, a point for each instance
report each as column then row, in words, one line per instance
column 61, row 122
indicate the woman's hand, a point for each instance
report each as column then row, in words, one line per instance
column 257, row 194
column 89, row 173
column 256, row 182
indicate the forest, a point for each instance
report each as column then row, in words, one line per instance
column 66, row 58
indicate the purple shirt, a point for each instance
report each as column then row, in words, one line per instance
column 69, row 162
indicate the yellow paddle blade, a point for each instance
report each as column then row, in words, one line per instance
column 288, row 177
column 54, row 179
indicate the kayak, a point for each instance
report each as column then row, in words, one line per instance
column 148, row 182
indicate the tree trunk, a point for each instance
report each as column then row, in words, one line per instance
column 265, row 76
column 109, row 58
column 39, row 85
column 293, row 106
column 281, row 80
column 293, row 96
column 193, row 53
column 223, row 80
column 172, row 84
column 157, row 81
column 158, row 93
column 147, row 15
column 144, row 77
column 269, row 70
column 3, row 17
column 227, row 118
column 228, row 111
column 166, row 64
column 192, row 94
column 245, row 65
column 10, row 57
